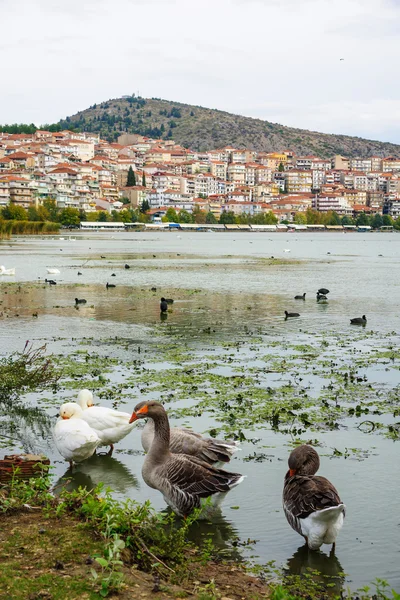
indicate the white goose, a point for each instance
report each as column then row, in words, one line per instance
column 4, row 271
column 110, row 425
column 53, row 271
column 74, row 438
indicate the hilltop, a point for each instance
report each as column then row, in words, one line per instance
column 203, row 129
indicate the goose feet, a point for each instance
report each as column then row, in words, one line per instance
column 109, row 453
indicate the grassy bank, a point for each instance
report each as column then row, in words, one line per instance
column 85, row 545
column 8, row 228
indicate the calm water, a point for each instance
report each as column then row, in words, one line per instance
column 236, row 289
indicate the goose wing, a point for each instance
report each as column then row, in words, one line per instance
column 185, row 441
column 102, row 418
column 304, row 495
column 193, row 476
column 71, row 437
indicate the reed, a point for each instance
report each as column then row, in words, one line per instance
column 11, row 227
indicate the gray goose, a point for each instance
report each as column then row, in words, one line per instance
column 185, row 441
column 183, row 480
column 311, row 503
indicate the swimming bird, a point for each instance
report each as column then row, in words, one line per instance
column 51, row 281
column 290, row 314
column 186, row 441
column 4, row 271
column 53, row 271
column 287, row 250
column 110, row 425
column 311, row 503
column 113, row 275
column 79, row 273
column 359, row 320
column 108, row 285
column 322, row 299
column 127, row 266
column 183, row 480
column 163, row 305
column 169, row 300
column 80, row 301
column 323, row 291
column 74, row 438
column 302, row 297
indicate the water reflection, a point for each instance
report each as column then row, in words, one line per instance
column 98, row 469
column 220, row 531
column 330, row 571
column 25, row 426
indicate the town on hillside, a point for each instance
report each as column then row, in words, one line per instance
column 153, row 179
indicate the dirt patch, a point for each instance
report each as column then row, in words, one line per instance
column 50, row 558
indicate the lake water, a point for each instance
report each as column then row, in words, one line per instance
column 226, row 286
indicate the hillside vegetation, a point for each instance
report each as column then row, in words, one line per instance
column 203, row 129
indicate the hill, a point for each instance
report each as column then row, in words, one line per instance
column 203, row 129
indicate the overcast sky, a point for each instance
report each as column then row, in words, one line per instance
column 273, row 59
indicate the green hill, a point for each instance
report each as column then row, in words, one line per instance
column 202, row 129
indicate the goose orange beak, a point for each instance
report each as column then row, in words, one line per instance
column 134, row 417
column 292, row 472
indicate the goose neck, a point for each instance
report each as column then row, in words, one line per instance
column 160, row 445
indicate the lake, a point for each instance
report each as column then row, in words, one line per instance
column 225, row 359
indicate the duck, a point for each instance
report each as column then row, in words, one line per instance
column 74, row 438
column 186, row 441
column 300, row 297
column 4, row 271
column 126, row 266
column 110, row 425
column 110, row 285
column 183, row 480
column 51, row 281
column 291, row 314
column 53, row 271
column 79, row 273
column 163, row 305
column 80, row 301
column 323, row 291
column 322, row 299
column 311, row 503
column 359, row 320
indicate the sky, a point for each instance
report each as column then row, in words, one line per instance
column 278, row 60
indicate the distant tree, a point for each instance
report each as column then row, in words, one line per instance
column 300, row 218
column 191, row 113
column 387, row 220
column 33, row 214
column 144, row 179
column 376, row 221
column 50, row 205
column 125, row 200
column 13, row 212
column 131, row 180
column 69, row 216
column 347, row 220
column 82, row 215
column 363, row 219
column 211, row 218
column 145, row 206
column 396, row 223
column 171, row 216
column 125, row 215
column 227, row 217
column 185, row 217
column 103, row 216
column 199, row 215
column 281, row 167
column 334, row 219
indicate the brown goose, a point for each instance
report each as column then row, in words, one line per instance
column 311, row 503
column 183, row 480
column 185, row 441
